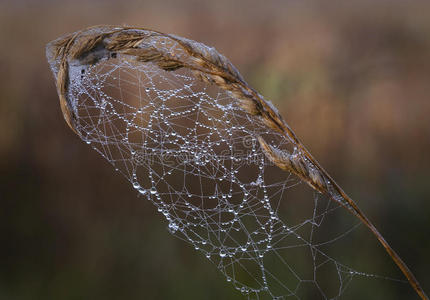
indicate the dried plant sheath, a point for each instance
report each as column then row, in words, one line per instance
column 87, row 47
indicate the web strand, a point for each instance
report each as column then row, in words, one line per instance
column 207, row 173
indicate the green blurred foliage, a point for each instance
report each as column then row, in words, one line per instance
column 350, row 77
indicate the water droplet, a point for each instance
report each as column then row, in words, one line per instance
column 173, row 227
column 222, row 253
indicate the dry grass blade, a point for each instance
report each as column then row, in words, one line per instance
column 90, row 45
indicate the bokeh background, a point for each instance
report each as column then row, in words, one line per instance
column 352, row 78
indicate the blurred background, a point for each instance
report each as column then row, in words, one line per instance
column 352, row 78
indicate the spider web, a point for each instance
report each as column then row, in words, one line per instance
column 186, row 146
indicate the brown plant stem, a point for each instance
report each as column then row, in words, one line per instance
column 210, row 66
column 393, row 254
